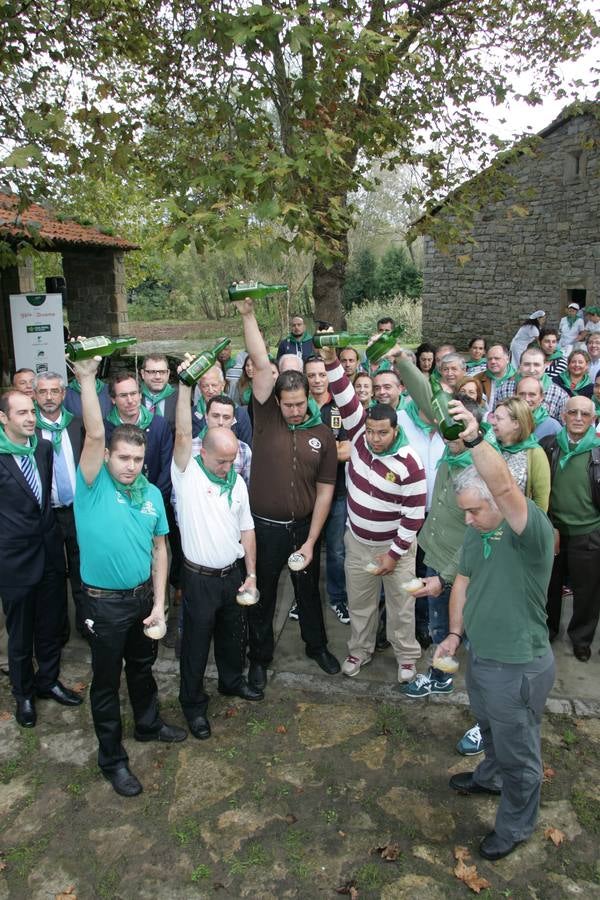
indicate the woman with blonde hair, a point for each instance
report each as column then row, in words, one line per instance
column 513, row 426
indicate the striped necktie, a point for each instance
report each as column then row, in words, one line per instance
column 31, row 477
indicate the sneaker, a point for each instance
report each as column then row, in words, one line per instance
column 406, row 672
column 352, row 665
column 341, row 611
column 471, row 742
column 424, row 685
column 293, row 613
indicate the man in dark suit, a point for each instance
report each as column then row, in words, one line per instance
column 65, row 431
column 32, row 574
column 128, row 410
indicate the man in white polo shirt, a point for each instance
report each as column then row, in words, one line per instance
column 219, row 548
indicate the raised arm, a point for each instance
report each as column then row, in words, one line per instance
column 262, row 380
column 182, row 450
column 494, row 471
column 92, row 455
column 416, row 384
column 350, row 407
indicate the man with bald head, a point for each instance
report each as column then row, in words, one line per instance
column 530, row 390
column 574, row 456
column 532, row 364
column 219, row 549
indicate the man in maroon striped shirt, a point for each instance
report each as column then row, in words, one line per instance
column 386, row 508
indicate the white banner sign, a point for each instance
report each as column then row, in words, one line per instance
column 38, row 336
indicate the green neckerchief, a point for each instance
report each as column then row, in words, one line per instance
column 56, row 428
column 471, row 363
column 246, row 396
column 75, row 386
column 510, row 372
column 7, row 446
column 528, row 444
column 540, row 415
column 155, row 399
column 384, row 365
column 566, row 380
column 144, row 418
column 412, row 411
column 201, row 407
column 403, row 402
column 314, row 417
column 135, row 492
column 587, row 442
column 558, row 354
column 294, row 340
column 435, row 376
column 571, row 320
column 229, row 364
column 596, row 405
column 399, row 441
column 544, row 380
column 227, row 483
column 487, row 536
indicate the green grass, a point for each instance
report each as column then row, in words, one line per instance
column 255, row 855
column 390, row 721
column 200, row 873
column 369, row 877
column 187, row 831
column 21, row 860
column 587, row 810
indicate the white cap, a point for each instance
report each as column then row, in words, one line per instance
column 537, row 314
column 573, row 306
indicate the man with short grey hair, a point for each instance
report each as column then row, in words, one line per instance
column 452, row 368
column 498, row 601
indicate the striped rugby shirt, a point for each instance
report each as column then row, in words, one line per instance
column 386, row 494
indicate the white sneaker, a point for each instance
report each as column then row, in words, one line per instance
column 352, row 665
column 406, row 672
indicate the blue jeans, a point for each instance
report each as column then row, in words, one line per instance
column 335, row 528
column 438, row 612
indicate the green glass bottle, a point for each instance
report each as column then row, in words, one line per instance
column 256, row 290
column 339, row 339
column 449, row 428
column 97, row 346
column 203, row 362
column 384, row 343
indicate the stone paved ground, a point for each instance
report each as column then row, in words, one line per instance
column 289, row 798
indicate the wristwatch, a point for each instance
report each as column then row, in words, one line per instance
column 476, row 440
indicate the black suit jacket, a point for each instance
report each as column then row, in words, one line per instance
column 30, row 539
column 169, row 410
column 76, row 433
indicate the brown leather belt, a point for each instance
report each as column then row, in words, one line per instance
column 112, row 592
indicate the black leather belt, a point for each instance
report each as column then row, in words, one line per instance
column 205, row 570
column 290, row 523
column 113, row 592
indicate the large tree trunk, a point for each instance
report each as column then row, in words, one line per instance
column 328, row 282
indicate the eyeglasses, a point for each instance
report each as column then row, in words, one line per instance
column 156, row 371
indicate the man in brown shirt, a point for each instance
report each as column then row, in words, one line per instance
column 294, row 466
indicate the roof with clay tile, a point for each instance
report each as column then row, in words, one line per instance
column 41, row 226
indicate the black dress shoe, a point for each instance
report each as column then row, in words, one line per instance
column 581, row 652
column 325, row 660
column 464, row 784
column 257, row 676
column 200, row 728
column 62, row 695
column 245, row 691
column 492, row 847
column 124, row 782
column 167, row 734
column 25, row 713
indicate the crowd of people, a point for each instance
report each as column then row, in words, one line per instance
column 178, row 509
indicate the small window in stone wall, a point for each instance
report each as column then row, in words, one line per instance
column 574, row 166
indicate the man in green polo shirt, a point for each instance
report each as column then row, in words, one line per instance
column 121, row 527
column 498, row 601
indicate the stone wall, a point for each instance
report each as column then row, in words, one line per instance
column 531, row 249
column 96, row 293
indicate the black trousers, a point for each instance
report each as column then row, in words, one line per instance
column 580, row 557
column 176, row 567
column 66, row 521
column 210, row 611
column 116, row 634
column 35, row 617
column 274, row 543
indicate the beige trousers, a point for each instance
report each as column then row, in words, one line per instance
column 363, row 601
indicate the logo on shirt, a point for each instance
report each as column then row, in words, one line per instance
column 389, row 476
column 315, row 443
column 336, row 421
column 148, row 509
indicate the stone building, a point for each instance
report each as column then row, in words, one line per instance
column 536, row 244
column 92, row 264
